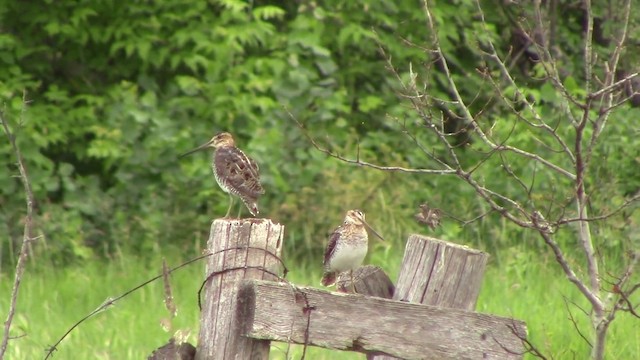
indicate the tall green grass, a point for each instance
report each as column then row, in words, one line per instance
column 52, row 300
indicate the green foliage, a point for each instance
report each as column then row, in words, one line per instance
column 115, row 93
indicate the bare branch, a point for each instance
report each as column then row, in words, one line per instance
column 582, row 310
column 467, row 115
column 464, row 223
column 28, row 228
column 588, row 46
column 573, row 321
column 419, row 108
column 529, row 347
column 507, row 168
column 550, row 67
column 484, row 192
column 568, row 271
column 624, row 295
column 624, row 205
column 507, row 75
column 611, row 67
column 610, row 88
column 422, row 148
column 619, row 103
column 540, row 123
column 584, row 233
column 630, row 308
column 359, row 162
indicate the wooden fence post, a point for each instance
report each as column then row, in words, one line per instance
column 241, row 249
column 439, row 273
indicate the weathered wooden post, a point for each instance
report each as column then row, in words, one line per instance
column 241, row 249
column 439, row 273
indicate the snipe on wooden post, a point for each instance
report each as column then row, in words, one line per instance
column 347, row 247
column 236, row 173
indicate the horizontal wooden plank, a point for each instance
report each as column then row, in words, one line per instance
column 284, row 312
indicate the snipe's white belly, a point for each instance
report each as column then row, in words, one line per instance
column 348, row 257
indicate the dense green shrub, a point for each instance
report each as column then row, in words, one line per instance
column 115, row 91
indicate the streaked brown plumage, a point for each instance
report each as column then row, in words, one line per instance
column 347, row 247
column 236, row 173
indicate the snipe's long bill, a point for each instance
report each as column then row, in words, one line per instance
column 204, row 146
column 373, row 231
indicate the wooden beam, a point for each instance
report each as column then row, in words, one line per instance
column 241, row 249
column 284, row 312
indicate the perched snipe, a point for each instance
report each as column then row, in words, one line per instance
column 347, row 247
column 236, row 173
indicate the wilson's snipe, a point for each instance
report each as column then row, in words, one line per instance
column 347, row 247
column 236, row 173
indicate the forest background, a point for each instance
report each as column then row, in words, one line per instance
column 103, row 96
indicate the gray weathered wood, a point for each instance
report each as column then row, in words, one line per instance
column 283, row 312
column 243, row 249
column 369, row 280
column 439, row 273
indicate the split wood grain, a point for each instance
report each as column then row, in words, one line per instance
column 242, row 249
column 284, row 312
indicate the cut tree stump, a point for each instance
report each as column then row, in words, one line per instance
column 242, row 249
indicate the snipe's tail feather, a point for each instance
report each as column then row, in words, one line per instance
column 252, row 205
column 328, row 279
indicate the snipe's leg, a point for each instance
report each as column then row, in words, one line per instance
column 353, row 285
column 230, row 206
column 240, row 210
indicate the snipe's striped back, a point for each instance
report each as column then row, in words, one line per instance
column 235, row 172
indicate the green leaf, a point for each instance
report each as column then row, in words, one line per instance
column 370, row 103
column 268, row 12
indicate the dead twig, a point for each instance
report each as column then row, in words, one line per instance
column 574, row 322
column 528, row 346
column 359, row 162
column 28, row 229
